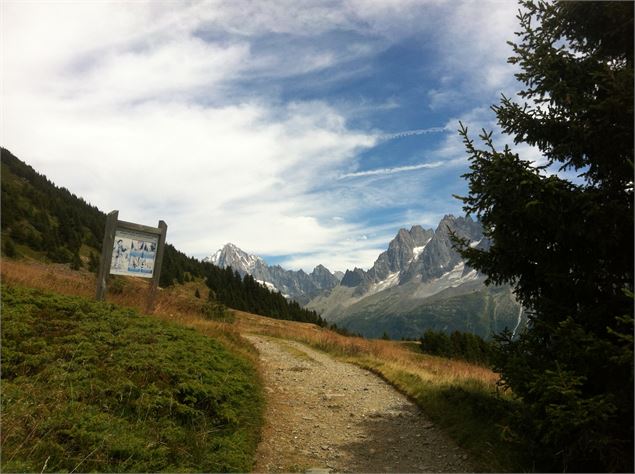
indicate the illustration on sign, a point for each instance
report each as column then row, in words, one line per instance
column 133, row 253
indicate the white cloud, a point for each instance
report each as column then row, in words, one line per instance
column 339, row 258
column 346, row 252
column 439, row 98
column 231, row 165
column 387, row 171
column 410, row 133
column 120, row 128
column 138, row 107
column 184, row 68
column 474, row 36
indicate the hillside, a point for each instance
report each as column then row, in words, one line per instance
column 460, row 398
column 92, row 387
column 481, row 311
column 48, row 223
column 42, row 220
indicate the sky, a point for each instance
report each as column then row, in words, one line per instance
column 305, row 132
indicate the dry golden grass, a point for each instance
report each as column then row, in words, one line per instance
column 369, row 352
column 53, row 277
column 178, row 304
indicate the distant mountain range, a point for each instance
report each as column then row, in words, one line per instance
column 420, row 282
column 297, row 285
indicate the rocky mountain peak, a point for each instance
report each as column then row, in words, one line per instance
column 424, row 282
column 438, row 256
column 354, row 278
column 402, row 236
column 402, row 250
column 323, row 278
column 416, row 254
column 231, row 255
column 420, row 236
column 463, row 226
column 320, row 270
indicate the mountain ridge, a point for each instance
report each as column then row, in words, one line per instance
column 419, row 282
column 294, row 284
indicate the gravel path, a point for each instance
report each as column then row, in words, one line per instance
column 323, row 415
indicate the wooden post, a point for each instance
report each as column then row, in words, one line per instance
column 154, row 283
column 106, row 254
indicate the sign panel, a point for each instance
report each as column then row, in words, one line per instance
column 134, row 253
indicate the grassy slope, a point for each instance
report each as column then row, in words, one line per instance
column 91, row 387
column 460, row 397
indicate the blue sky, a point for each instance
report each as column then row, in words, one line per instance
column 306, row 132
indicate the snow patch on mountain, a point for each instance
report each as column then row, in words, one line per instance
column 455, row 276
column 416, row 251
column 390, row 281
column 232, row 256
column 269, row 286
column 215, row 259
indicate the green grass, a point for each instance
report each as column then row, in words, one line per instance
column 88, row 386
column 467, row 410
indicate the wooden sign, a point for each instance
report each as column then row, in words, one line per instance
column 133, row 250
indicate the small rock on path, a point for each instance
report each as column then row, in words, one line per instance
column 323, row 415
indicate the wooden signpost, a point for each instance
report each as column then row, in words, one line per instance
column 131, row 249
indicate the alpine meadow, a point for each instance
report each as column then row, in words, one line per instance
column 394, row 236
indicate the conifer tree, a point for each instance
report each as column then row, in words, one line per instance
column 9, row 248
column 76, row 261
column 566, row 245
column 93, row 262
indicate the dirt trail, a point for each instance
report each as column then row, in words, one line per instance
column 324, row 415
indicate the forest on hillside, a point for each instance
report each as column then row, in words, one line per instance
column 47, row 220
column 43, row 221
